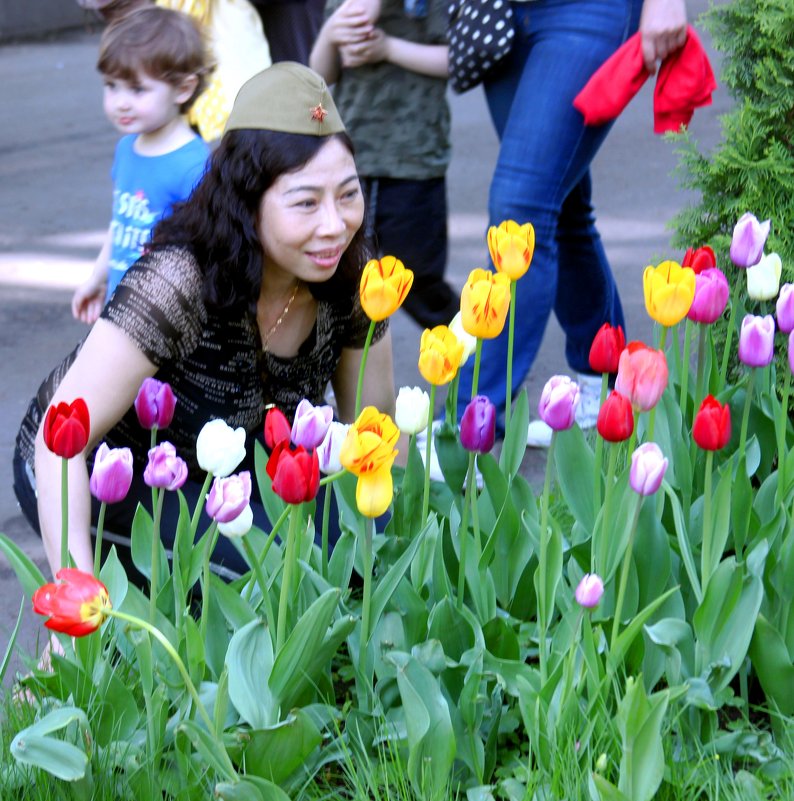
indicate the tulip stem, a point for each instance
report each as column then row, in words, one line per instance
column 463, row 533
column 705, row 549
column 212, row 538
column 261, row 580
column 684, row 403
column 154, row 578
column 366, row 604
column 266, row 547
column 510, row 337
column 600, row 566
column 624, row 574
column 729, row 334
column 64, row 512
column 100, row 526
column 475, row 379
column 324, row 532
column 542, row 561
column 780, row 425
column 701, row 366
column 286, row 578
column 599, row 449
column 452, row 401
column 199, row 505
column 153, row 444
column 748, row 400
column 362, row 367
column 652, row 412
column 330, row 479
column 428, row 455
column 570, row 662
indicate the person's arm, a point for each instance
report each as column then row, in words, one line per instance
column 663, row 28
column 425, row 59
column 89, row 297
column 107, row 374
column 349, row 24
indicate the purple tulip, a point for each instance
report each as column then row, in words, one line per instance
column 648, row 466
column 165, row 468
column 558, row 402
column 311, row 424
column 328, row 452
column 757, row 340
column 749, row 238
column 785, row 309
column 228, row 497
column 112, row 474
column 155, row 404
column 478, row 425
column 711, row 296
column 589, row 592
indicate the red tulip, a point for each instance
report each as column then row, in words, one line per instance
column 66, row 428
column 605, row 351
column 277, row 428
column 712, row 427
column 295, row 473
column 699, row 259
column 615, row 421
column 75, row 605
column 642, row 375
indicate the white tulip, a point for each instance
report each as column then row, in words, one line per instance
column 328, row 449
column 413, row 410
column 240, row 526
column 763, row 279
column 220, row 448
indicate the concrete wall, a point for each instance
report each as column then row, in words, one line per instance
column 33, row 18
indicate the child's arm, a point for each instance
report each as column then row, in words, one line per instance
column 350, row 24
column 432, row 60
column 89, row 297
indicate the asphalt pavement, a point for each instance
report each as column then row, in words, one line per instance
column 56, row 149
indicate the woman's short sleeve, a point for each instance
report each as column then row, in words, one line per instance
column 159, row 305
column 359, row 326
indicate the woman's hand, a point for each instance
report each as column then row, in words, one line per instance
column 663, row 27
column 369, row 51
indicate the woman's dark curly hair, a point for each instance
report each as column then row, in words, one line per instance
column 218, row 223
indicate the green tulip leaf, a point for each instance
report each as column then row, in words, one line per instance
column 772, row 663
column 682, row 536
column 574, row 459
column 514, row 445
column 250, row 788
column 207, row 747
column 30, row 577
column 606, row 790
column 249, row 661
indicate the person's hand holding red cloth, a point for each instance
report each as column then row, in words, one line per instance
column 685, row 82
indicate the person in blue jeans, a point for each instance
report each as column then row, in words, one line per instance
column 542, row 176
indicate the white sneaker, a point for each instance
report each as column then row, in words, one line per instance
column 539, row 434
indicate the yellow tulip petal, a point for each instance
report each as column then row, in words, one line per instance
column 374, row 492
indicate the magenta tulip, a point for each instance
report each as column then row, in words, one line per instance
column 757, row 340
column 165, row 468
column 589, row 591
column 228, row 497
column 155, row 404
column 785, row 308
column 749, row 238
column 310, row 424
column 478, row 425
column 112, row 474
column 711, row 296
column 648, row 466
column 558, row 402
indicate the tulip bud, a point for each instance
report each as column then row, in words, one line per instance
column 440, row 352
column 220, row 448
column 240, row 526
column 369, row 444
column 311, row 424
column 711, row 296
column 464, row 337
column 374, row 492
column 699, row 259
column 642, row 375
column 412, row 410
column 511, row 247
column 478, row 425
column 669, row 290
column 484, row 303
column 763, row 279
column 711, row 428
column 155, row 404
column 385, row 283
column 615, row 421
column 295, row 473
column 111, row 476
column 748, row 240
column 648, row 466
column 607, row 346
column 328, row 451
column 589, row 591
column 277, row 428
column 229, row 497
column 757, row 340
column 785, row 309
column 66, row 428
column 76, row 605
column 165, row 469
column 558, row 402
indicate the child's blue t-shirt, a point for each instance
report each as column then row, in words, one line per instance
column 144, row 190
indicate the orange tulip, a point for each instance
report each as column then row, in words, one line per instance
column 76, row 605
column 385, row 283
column 440, row 355
column 511, row 246
column 484, row 303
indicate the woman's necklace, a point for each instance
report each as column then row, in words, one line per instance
column 280, row 320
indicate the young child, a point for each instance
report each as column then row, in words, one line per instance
column 391, row 92
column 153, row 63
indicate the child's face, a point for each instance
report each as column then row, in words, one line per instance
column 144, row 105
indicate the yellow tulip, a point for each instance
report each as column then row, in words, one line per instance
column 374, row 491
column 440, row 355
column 384, row 286
column 669, row 291
column 369, row 444
column 484, row 303
column 511, row 246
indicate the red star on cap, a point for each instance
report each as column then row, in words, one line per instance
column 318, row 112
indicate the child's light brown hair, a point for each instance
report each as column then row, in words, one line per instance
column 163, row 44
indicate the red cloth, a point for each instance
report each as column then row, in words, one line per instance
column 685, row 82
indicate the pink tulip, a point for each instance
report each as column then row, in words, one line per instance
column 642, row 375
column 648, row 466
column 478, row 425
column 155, row 404
column 757, row 340
column 311, row 424
column 558, row 402
column 165, row 468
column 749, row 238
column 112, row 474
column 711, row 296
column 229, row 497
column 785, row 309
column 588, row 593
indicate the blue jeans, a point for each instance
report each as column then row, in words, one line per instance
column 542, row 176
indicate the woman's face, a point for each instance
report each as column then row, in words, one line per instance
column 308, row 217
